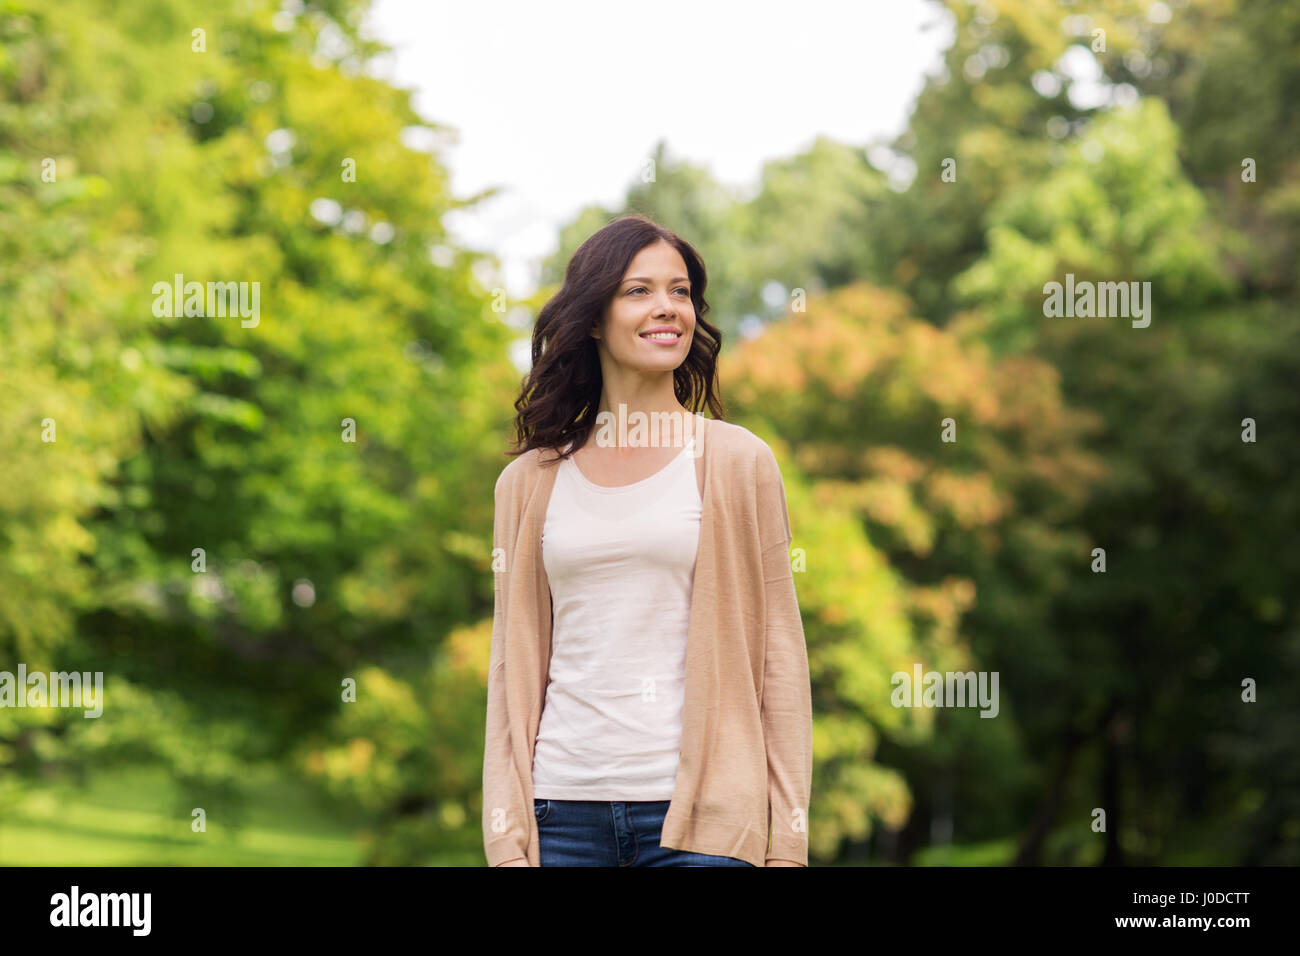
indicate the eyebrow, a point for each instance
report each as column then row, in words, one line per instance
column 644, row 279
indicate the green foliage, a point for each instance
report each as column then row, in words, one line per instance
column 1117, row 210
column 181, row 432
column 903, row 531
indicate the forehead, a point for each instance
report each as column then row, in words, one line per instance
column 658, row 257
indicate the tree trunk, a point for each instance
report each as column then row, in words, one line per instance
column 1031, row 849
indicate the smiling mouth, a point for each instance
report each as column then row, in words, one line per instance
column 662, row 336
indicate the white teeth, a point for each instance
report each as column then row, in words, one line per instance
column 661, row 335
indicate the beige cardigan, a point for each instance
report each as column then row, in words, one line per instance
column 744, row 774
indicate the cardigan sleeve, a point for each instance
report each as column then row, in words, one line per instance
column 504, row 831
column 786, row 709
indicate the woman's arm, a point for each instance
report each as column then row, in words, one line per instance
column 505, row 833
column 787, row 691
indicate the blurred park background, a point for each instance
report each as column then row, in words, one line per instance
column 865, row 295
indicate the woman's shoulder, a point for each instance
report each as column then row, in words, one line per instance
column 738, row 441
column 520, row 468
column 525, row 467
column 730, row 441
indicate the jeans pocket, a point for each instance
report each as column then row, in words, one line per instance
column 541, row 810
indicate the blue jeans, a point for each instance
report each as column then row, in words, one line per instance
column 611, row 833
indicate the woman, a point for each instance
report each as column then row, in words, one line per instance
column 648, row 689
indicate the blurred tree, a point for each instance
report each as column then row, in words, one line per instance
column 856, row 390
column 268, row 157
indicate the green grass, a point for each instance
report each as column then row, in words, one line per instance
column 128, row 819
column 992, row 853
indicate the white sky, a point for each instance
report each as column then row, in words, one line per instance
column 560, row 102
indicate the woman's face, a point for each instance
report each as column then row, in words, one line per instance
column 655, row 294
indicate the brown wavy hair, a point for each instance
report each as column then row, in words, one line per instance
column 560, row 394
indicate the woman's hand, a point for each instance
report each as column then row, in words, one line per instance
column 781, row 863
column 521, row 861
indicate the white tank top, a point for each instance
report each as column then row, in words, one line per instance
column 621, row 564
